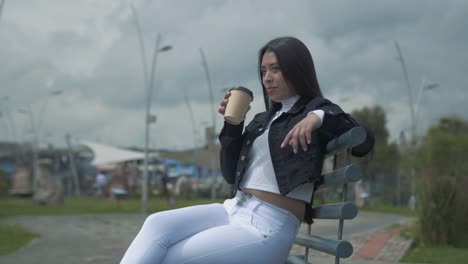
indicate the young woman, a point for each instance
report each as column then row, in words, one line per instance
column 272, row 165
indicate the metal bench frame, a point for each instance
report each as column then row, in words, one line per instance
column 341, row 211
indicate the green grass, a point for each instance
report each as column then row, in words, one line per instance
column 387, row 208
column 442, row 255
column 13, row 237
column 17, row 206
column 421, row 253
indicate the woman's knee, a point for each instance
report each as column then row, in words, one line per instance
column 189, row 219
column 159, row 220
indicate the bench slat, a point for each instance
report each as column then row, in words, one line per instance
column 344, row 211
column 350, row 173
column 340, row 248
column 296, row 259
column 350, row 139
column 341, row 211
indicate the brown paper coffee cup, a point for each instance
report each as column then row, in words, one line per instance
column 238, row 104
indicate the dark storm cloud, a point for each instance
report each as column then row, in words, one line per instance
column 92, row 51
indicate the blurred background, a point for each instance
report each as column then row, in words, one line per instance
column 117, row 100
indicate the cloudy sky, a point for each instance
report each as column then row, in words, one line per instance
column 89, row 50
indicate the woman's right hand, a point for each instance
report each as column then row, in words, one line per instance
column 224, row 102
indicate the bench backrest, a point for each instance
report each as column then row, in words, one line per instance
column 342, row 211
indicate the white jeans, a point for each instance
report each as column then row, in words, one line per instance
column 242, row 230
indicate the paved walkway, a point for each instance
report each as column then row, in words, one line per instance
column 373, row 246
column 103, row 239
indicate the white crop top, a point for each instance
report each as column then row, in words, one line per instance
column 260, row 174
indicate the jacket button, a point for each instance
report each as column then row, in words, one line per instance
column 260, row 129
column 248, row 142
column 331, row 112
column 243, row 157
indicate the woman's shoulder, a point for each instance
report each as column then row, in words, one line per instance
column 318, row 102
column 261, row 116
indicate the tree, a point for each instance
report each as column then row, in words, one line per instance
column 385, row 157
column 442, row 170
column 375, row 118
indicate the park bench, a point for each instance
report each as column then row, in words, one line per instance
column 345, row 210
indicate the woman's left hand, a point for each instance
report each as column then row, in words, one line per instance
column 302, row 132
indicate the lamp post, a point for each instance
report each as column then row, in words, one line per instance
column 423, row 87
column 414, row 110
column 148, row 86
column 19, row 152
column 11, row 126
column 4, row 112
column 410, row 94
column 212, row 133
column 2, row 3
column 27, row 112
column 36, row 129
column 194, row 131
column 148, row 120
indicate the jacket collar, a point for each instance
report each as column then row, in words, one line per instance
column 296, row 108
column 263, row 117
column 287, row 104
column 300, row 103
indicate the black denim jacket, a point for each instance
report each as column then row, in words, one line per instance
column 290, row 169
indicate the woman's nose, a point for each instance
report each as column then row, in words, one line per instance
column 266, row 77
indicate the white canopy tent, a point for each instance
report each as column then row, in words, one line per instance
column 108, row 155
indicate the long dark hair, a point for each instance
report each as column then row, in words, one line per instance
column 296, row 65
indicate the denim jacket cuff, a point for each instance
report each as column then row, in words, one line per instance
column 231, row 130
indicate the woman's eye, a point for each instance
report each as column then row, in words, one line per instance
column 276, row 68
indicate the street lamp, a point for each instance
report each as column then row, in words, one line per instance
column 414, row 110
column 148, row 120
column 34, row 142
column 2, row 3
column 148, row 84
column 423, row 87
column 56, row 92
column 410, row 94
column 4, row 112
column 194, row 131
column 212, row 133
column 36, row 129
column 44, row 105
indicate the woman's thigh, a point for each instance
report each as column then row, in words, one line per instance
column 231, row 243
column 164, row 229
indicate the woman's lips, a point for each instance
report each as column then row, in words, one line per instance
column 269, row 89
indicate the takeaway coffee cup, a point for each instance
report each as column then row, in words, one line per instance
column 238, row 104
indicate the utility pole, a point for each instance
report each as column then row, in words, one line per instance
column 11, row 127
column 414, row 110
column 148, row 87
column 144, row 197
column 410, row 94
column 212, row 133
column 71, row 157
column 194, row 131
column 2, row 3
column 413, row 124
